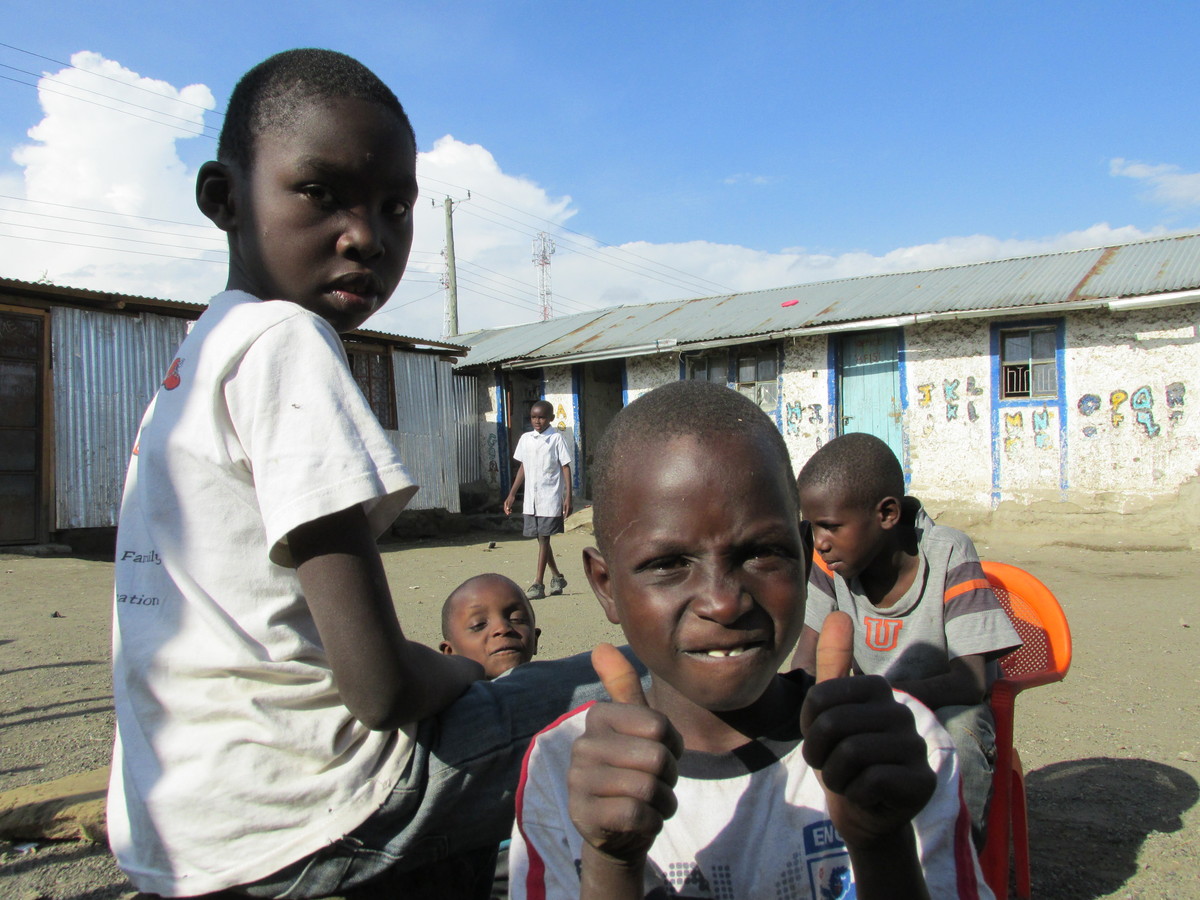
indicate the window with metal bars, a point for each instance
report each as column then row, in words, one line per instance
column 1028, row 367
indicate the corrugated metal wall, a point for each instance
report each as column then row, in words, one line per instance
column 466, row 427
column 425, row 434
column 106, row 368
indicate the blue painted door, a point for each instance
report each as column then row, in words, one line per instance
column 870, row 387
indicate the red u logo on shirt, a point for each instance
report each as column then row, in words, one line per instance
column 882, row 634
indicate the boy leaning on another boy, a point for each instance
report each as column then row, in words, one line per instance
column 277, row 733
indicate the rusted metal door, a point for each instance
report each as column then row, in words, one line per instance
column 22, row 341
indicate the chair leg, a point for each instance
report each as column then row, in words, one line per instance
column 1020, row 829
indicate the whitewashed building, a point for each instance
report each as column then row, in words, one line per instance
column 1068, row 378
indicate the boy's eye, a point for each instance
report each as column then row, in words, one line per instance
column 518, row 620
column 476, row 626
column 318, row 192
column 663, row 564
column 399, row 208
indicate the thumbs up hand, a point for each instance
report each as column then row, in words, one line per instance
column 872, row 762
column 622, row 775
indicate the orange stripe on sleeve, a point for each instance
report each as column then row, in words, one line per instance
column 821, row 564
column 974, row 584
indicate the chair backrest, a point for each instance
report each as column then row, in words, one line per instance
column 1045, row 655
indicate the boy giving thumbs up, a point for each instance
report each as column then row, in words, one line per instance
column 726, row 779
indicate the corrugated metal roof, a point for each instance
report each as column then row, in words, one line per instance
column 1138, row 269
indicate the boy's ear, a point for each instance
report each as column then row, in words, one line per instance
column 215, row 194
column 445, row 647
column 537, row 633
column 888, row 511
column 598, row 577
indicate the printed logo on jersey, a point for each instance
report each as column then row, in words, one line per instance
column 882, row 634
column 829, row 875
column 172, row 380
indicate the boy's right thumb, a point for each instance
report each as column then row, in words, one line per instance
column 835, row 647
column 618, row 675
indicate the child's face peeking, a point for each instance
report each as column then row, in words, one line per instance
column 492, row 623
column 847, row 536
column 705, row 573
column 324, row 215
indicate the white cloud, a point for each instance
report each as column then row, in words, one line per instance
column 85, row 157
column 104, row 200
column 1168, row 184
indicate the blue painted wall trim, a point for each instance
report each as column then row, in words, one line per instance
column 1058, row 402
column 833, row 364
column 779, row 387
column 902, row 367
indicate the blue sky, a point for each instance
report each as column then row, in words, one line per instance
column 671, row 149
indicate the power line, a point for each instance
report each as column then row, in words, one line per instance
column 112, row 108
column 641, row 271
column 104, row 237
column 558, row 296
column 20, row 212
column 104, row 212
column 18, row 237
column 138, row 87
column 76, row 87
column 721, row 288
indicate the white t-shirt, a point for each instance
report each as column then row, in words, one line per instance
column 750, row 824
column 543, row 456
column 235, row 754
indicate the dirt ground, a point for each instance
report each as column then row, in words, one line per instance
column 1110, row 754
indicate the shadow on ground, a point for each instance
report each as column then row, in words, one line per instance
column 1088, row 819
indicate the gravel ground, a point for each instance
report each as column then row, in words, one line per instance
column 1110, row 754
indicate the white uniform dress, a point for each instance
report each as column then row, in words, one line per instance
column 234, row 753
column 750, row 824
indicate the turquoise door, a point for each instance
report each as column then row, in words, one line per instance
column 870, row 387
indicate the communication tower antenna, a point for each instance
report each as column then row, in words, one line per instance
column 543, row 249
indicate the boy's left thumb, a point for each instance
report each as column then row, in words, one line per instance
column 835, row 647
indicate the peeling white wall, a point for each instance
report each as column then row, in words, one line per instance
column 558, row 389
column 489, row 455
column 807, row 425
column 947, row 416
column 1132, row 380
column 645, row 373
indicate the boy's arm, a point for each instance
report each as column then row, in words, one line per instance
column 566, row 475
column 964, row 685
column 512, row 493
column 385, row 680
column 873, row 764
column 620, row 785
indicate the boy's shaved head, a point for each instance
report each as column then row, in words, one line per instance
column 678, row 409
column 274, row 93
column 491, row 580
column 859, row 469
column 545, row 405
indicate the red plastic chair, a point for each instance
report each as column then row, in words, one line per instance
column 1044, row 658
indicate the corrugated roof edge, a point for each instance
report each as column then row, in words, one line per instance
column 504, row 345
column 84, row 296
column 66, row 292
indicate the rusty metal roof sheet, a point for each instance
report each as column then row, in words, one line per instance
column 1144, row 268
